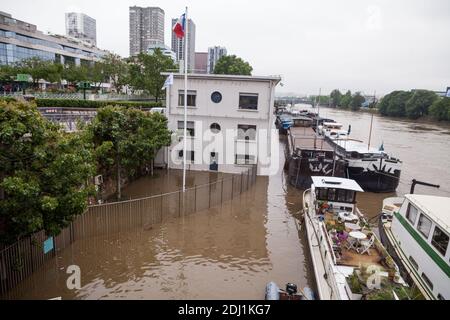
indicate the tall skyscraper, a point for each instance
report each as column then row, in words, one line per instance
column 178, row 44
column 146, row 28
column 81, row 26
column 214, row 54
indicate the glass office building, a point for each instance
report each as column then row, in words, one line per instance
column 20, row 40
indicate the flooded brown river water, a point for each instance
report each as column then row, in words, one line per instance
column 231, row 251
column 226, row 252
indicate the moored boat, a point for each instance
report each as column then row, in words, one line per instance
column 416, row 229
column 349, row 261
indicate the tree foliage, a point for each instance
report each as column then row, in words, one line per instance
column 346, row 100
column 145, row 72
column 43, row 173
column 232, row 65
column 419, row 103
column 440, row 109
column 126, row 139
column 116, row 70
column 335, row 97
column 357, row 101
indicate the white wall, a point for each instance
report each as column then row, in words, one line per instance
column 228, row 115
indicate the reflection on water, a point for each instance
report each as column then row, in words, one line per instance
column 227, row 252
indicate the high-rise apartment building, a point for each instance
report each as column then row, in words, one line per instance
column 178, row 44
column 146, row 28
column 214, row 54
column 82, row 27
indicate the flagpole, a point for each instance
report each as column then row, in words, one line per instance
column 185, row 98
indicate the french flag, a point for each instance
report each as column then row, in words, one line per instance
column 180, row 26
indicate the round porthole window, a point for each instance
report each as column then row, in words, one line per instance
column 215, row 128
column 216, row 97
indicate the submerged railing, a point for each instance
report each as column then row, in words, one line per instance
column 19, row 260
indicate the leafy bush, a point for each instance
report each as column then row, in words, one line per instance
column 74, row 103
column 8, row 99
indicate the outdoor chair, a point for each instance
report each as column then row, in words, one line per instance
column 351, row 244
column 366, row 245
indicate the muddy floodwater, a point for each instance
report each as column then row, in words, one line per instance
column 226, row 252
column 231, row 251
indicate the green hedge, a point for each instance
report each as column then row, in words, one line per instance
column 73, row 103
column 8, row 99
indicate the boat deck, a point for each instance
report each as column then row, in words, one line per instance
column 305, row 138
column 352, row 258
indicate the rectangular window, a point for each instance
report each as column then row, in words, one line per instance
column 189, row 155
column 413, row 262
column 427, row 281
column 191, row 98
column 246, row 132
column 245, row 159
column 424, row 226
column 190, row 128
column 411, row 213
column 248, row 101
column 440, row 240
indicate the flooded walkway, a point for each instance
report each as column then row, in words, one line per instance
column 226, row 252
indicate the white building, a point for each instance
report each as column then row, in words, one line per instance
column 82, row 27
column 229, row 122
column 214, row 54
column 164, row 49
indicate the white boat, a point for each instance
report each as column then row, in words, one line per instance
column 416, row 230
column 349, row 261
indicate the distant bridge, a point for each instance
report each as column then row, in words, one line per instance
column 292, row 100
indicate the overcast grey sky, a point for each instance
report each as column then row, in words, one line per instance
column 359, row 45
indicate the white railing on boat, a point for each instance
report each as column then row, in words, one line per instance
column 328, row 260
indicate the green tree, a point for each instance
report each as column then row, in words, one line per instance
column 126, row 139
column 40, row 69
column 232, row 65
column 145, row 72
column 44, row 173
column 346, row 100
column 419, row 103
column 116, row 70
column 357, row 101
column 335, row 97
column 440, row 109
column 73, row 73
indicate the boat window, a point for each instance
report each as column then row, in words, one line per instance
column 355, row 155
column 322, row 194
column 427, row 281
column 411, row 213
column 342, row 195
column 331, row 194
column 413, row 262
column 424, row 226
column 350, row 196
column 440, row 240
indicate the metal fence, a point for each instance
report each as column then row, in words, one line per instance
column 21, row 259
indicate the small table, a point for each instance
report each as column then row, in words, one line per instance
column 358, row 235
column 347, row 216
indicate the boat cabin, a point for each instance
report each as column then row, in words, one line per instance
column 422, row 230
column 339, row 193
